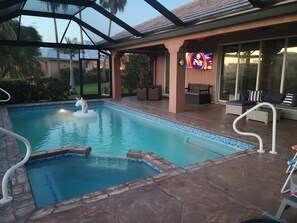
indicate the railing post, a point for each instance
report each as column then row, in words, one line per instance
column 273, row 150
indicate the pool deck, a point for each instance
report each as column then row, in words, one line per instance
column 229, row 189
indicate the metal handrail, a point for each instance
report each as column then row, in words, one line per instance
column 6, row 198
column 260, row 150
column 7, row 95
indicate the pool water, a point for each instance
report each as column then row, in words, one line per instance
column 60, row 178
column 116, row 130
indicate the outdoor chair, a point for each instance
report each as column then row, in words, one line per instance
column 197, row 94
column 292, row 166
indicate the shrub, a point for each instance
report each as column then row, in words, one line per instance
column 47, row 89
column 138, row 72
column 19, row 90
column 65, row 75
column 34, row 89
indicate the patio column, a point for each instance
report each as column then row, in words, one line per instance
column 116, row 74
column 176, row 76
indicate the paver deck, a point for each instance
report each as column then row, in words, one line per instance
column 228, row 189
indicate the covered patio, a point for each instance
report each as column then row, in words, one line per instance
column 229, row 189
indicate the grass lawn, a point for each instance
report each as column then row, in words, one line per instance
column 93, row 89
column 89, row 89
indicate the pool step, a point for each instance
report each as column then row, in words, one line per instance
column 198, row 145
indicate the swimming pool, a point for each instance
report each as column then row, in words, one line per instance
column 62, row 177
column 116, row 130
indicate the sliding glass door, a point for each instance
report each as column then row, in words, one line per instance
column 290, row 77
column 229, row 71
column 269, row 65
column 248, row 66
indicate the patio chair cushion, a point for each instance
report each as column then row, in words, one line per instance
column 273, row 97
column 255, row 95
column 244, row 95
column 290, row 100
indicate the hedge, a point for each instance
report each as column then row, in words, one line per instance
column 34, row 90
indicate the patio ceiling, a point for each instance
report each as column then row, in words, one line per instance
column 92, row 20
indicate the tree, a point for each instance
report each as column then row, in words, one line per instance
column 113, row 6
column 54, row 7
column 19, row 61
column 71, row 52
column 138, row 72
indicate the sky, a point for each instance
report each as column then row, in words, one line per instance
column 136, row 12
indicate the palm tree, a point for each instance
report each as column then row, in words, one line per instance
column 18, row 61
column 54, row 7
column 113, row 6
column 71, row 52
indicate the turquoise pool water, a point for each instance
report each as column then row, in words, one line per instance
column 116, row 130
column 63, row 177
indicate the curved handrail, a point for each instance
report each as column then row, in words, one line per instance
column 6, row 198
column 7, row 95
column 260, row 150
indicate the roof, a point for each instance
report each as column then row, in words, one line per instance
column 201, row 15
column 190, row 13
column 85, row 14
column 51, row 54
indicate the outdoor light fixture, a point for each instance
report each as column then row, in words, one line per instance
column 181, row 62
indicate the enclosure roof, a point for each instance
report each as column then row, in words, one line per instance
column 91, row 20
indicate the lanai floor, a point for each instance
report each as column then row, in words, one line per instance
column 230, row 189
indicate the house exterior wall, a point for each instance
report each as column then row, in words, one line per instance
column 160, row 71
column 211, row 40
column 50, row 68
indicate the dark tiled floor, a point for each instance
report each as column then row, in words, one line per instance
column 231, row 189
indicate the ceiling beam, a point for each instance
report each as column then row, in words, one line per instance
column 8, row 4
column 115, row 19
column 46, row 14
column 165, row 12
column 69, row 17
column 21, row 43
column 10, row 16
column 74, row 2
column 94, row 30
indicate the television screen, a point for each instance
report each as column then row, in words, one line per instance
column 199, row 60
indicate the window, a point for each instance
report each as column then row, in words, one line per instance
column 269, row 65
column 290, row 78
column 248, row 66
column 272, row 55
column 229, row 69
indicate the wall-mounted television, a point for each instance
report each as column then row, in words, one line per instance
column 199, row 60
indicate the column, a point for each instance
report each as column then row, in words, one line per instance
column 116, row 74
column 176, row 76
